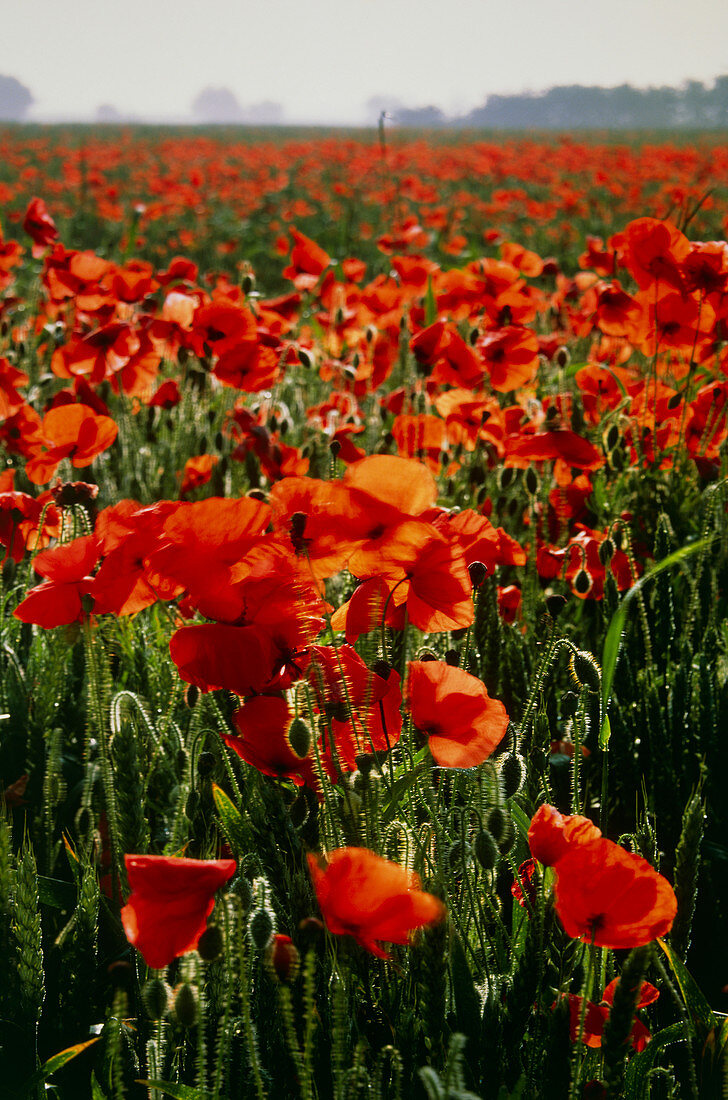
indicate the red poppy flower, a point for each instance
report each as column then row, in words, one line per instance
column 20, row 517
column 462, row 723
column 197, row 472
column 308, row 261
column 60, row 600
column 611, row 897
column 170, row 902
column 362, row 707
column 365, row 896
column 551, row 833
column 510, row 357
column 72, row 431
column 596, row 1016
column 39, row 225
column 264, row 724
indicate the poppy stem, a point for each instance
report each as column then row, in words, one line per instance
column 576, row 1064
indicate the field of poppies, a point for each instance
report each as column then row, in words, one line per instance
column 363, row 709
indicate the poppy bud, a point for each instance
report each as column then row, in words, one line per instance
column 242, row 888
column 478, row 572
column 496, row 821
column 335, row 447
column 611, row 437
column 157, row 999
column 192, row 805
column 674, row 401
column 311, row 928
column 585, row 670
column 555, row 604
column 87, row 603
column 247, row 283
column 185, row 1005
column 569, row 703
column 562, row 357
column 485, row 850
column 298, row 811
column 531, row 481
column 606, row 551
column 210, row 943
column 506, row 477
column 582, row 582
column 512, row 774
column 299, row 737
column 121, row 974
column 8, row 571
column 459, row 855
column 305, row 358
column 282, row 958
column 205, row 764
column 257, row 494
column 260, row 928
column 508, row 839
column 192, row 694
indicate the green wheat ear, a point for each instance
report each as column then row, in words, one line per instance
column 687, row 864
column 621, row 1017
column 8, row 972
column 28, row 939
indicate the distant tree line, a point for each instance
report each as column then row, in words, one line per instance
column 578, row 106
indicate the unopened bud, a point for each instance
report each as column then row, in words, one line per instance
column 585, row 670
column 512, row 774
column 210, row 943
column 299, row 738
column 485, row 850
column 531, row 481
column 606, row 551
column 157, row 999
column 185, row 1005
column 260, row 928
column 282, row 958
column 478, row 572
column 582, row 582
column 555, row 605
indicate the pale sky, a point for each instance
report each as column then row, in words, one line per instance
column 323, row 59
